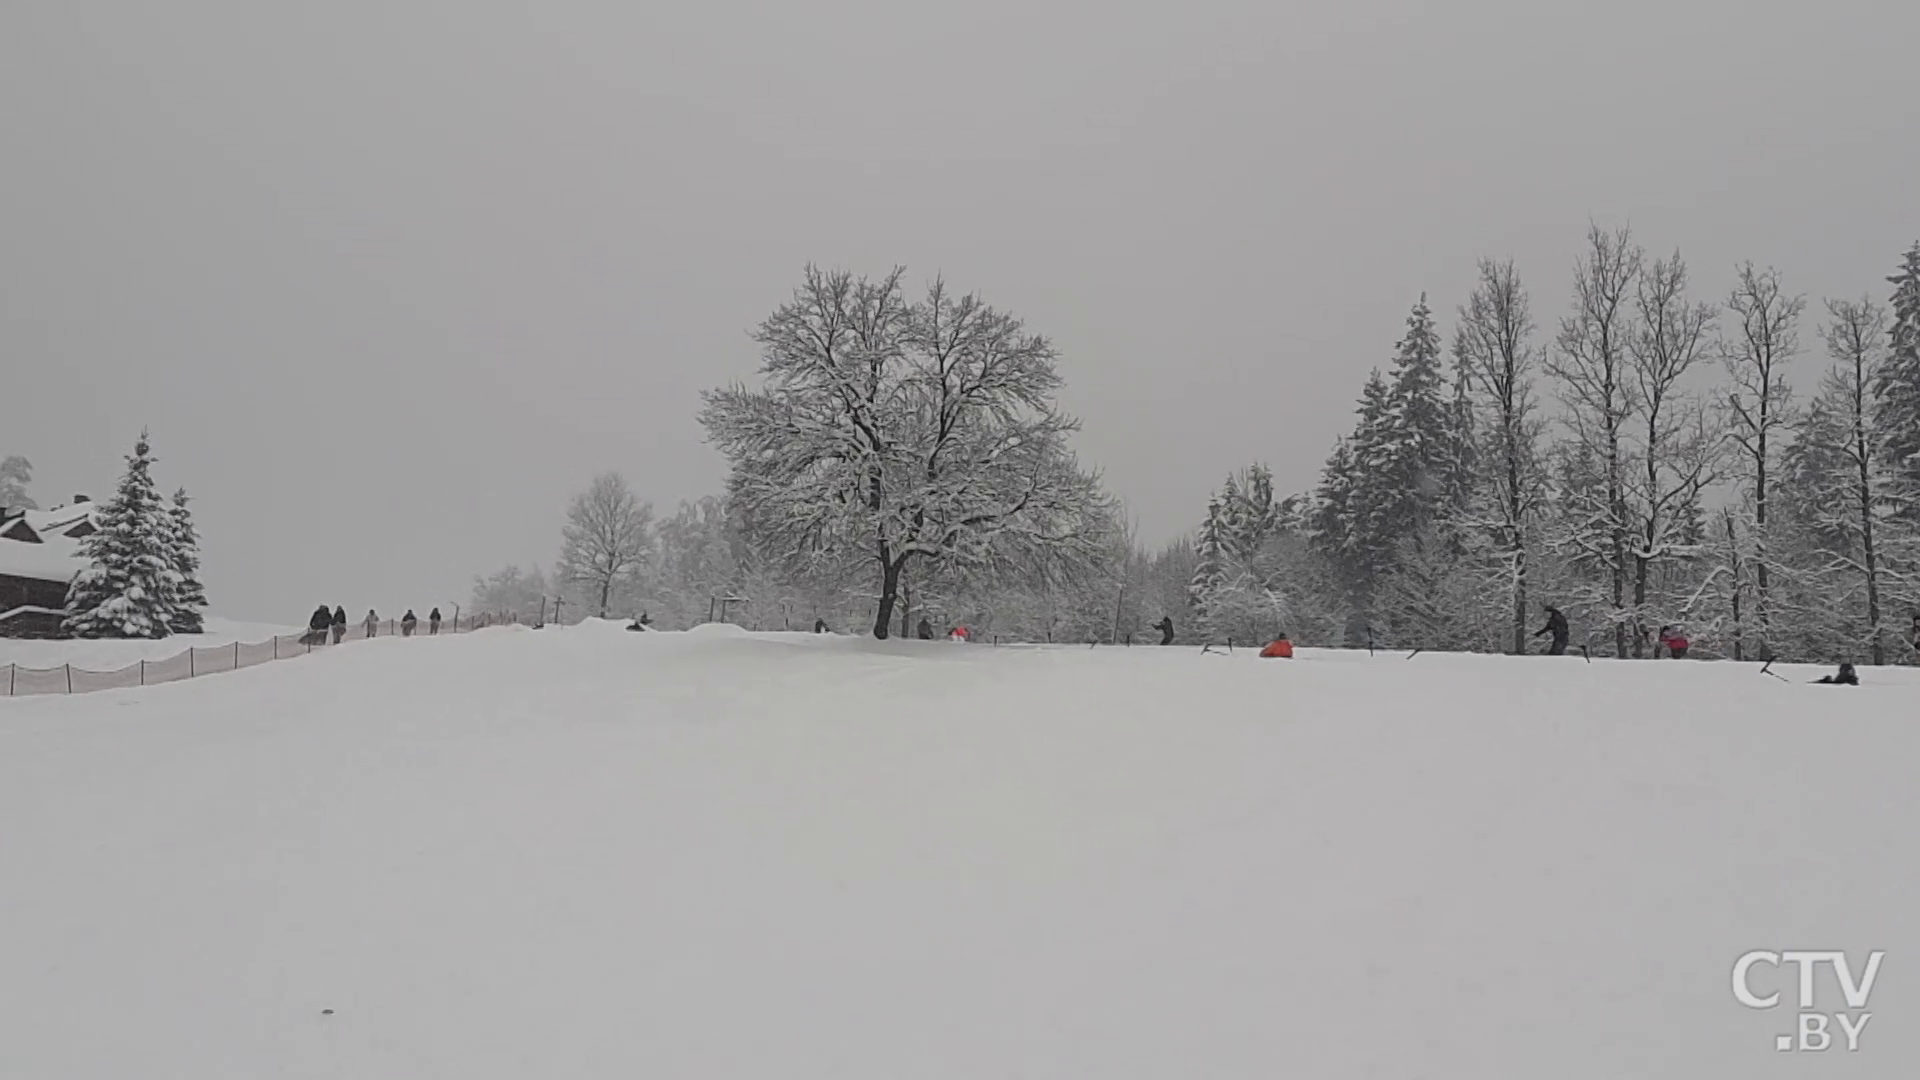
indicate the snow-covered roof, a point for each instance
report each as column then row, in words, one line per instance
column 57, row 556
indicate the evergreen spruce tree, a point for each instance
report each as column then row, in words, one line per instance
column 1417, row 429
column 1896, row 389
column 132, row 588
column 192, row 597
column 1210, row 572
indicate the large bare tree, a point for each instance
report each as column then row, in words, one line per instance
column 1596, row 383
column 1677, row 446
column 1493, row 347
column 1856, row 338
column 1762, row 342
column 904, row 431
column 607, row 537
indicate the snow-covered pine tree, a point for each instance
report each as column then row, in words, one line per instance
column 1210, row 573
column 16, row 473
column 1896, row 390
column 1417, row 430
column 192, row 598
column 131, row 590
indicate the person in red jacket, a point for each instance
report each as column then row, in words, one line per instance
column 1674, row 641
column 1278, row 649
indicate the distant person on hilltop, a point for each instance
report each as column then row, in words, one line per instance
column 1557, row 627
column 819, row 626
column 641, row 621
column 339, row 625
column 925, row 630
column 373, row 623
column 433, row 621
column 1674, row 641
column 407, row 623
column 1165, row 626
column 1845, row 677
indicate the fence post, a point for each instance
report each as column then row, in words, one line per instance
column 13, row 670
column 190, row 671
column 236, row 656
column 143, row 673
column 69, row 678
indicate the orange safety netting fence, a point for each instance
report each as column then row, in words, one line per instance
column 17, row 680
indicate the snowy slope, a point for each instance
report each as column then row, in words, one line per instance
column 587, row 853
column 115, row 654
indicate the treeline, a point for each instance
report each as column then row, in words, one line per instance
column 1645, row 460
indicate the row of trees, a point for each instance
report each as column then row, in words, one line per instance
column 1641, row 461
column 1678, row 480
column 143, row 577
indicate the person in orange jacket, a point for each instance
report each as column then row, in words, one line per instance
column 1279, row 648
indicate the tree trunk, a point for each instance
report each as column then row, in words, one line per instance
column 606, row 591
column 1641, row 565
column 1866, row 536
column 1519, row 602
column 889, row 592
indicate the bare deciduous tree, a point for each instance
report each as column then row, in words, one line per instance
column 1856, row 336
column 1492, row 347
column 607, row 537
column 1677, row 448
column 906, row 431
column 1763, row 341
column 1597, row 387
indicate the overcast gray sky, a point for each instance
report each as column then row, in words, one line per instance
column 389, row 280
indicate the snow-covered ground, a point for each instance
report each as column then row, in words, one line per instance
column 110, row 655
column 589, row 853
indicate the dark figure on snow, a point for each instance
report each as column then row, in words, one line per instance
column 433, row 621
column 407, row 623
column 317, row 626
column 1557, row 627
column 1674, row 641
column 373, row 622
column 1845, row 677
column 820, row 626
column 925, row 630
column 1165, row 626
column 339, row 624
column 641, row 622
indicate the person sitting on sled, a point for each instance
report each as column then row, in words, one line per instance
column 1278, row 649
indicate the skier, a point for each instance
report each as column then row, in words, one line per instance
column 925, row 630
column 1674, row 640
column 317, row 626
column 1845, row 677
column 1278, row 649
column 339, row 624
column 433, row 622
column 373, row 622
column 819, row 626
column 1165, row 626
column 1556, row 626
column 407, row 623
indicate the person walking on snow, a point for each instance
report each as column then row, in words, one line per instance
column 819, row 626
column 373, row 623
column 925, row 630
column 339, row 624
column 407, row 623
column 1556, row 626
column 433, row 622
column 1675, row 642
column 318, row 625
column 1165, row 626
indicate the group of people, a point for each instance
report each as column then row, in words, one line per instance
column 331, row 625
column 1671, row 637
